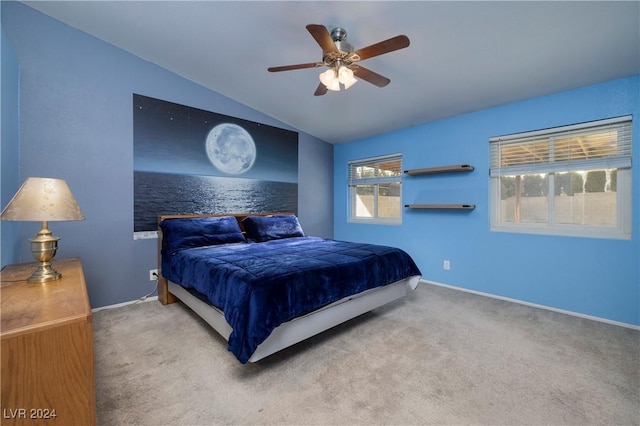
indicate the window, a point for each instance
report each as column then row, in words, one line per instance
column 573, row 180
column 375, row 188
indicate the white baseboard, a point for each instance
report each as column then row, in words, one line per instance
column 131, row 302
column 535, row 305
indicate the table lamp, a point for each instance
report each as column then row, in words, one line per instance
column 43, row 200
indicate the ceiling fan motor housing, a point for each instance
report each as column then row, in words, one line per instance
column 346, row 55
column 338, row 34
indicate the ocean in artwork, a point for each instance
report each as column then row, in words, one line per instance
column 163, row 193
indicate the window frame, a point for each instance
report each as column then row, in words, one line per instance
column 375, row 181
column 621, row 163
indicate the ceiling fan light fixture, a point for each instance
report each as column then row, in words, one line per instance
column 334, row 85
column 344, row 73
column 327, row 77
column 349, row 83
column 333, row 77
column 339, row 56
column 345, row 76
column 330, row 80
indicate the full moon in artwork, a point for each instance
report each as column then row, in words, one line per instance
column 231, row 148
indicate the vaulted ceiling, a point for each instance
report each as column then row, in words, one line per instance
column 463, row 56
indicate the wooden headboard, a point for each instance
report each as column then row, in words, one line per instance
column 164, row 296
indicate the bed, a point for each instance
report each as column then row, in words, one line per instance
column 264, row 285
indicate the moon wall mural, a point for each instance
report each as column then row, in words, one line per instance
column 231, row 148
column 188, row 160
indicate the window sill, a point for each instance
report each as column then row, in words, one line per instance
column 376, row 221
column 578, row 231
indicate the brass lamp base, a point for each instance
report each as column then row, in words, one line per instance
column 43, row 249
column 44, row 273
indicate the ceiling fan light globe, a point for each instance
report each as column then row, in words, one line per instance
column 344, row 74
column 327, row 77
column 334, row 85
column 350, row 82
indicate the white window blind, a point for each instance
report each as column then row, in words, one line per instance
column 572, row 180
column 604, row 144
column 375, row 170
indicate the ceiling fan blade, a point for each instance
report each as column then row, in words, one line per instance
column 295, row 67
column 394, row 43
column 322, row 37
column 320, row 90
column 370, row 76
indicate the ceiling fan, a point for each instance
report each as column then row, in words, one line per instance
column 342, row 59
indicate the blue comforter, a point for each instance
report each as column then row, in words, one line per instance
column 259, row 286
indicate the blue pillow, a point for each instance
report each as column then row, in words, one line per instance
column 265, row 228
column 179, row 233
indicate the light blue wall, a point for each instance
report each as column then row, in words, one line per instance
column 77, row 124
column 596, row 277
column 9, row 149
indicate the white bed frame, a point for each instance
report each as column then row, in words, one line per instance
column 301, row 328
column 290, row 332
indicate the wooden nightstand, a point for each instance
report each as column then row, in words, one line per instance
column 47, row 348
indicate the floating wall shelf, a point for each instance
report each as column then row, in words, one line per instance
column 435, row 170
column 441, row 206
column 443, row 169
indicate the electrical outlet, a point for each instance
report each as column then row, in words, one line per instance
column 153, row 274
column 446, row 265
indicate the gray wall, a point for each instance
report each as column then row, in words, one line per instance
column 76, row 123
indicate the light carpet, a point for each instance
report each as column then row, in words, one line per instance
column 439, row 356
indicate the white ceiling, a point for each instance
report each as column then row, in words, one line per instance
column 463, row 57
